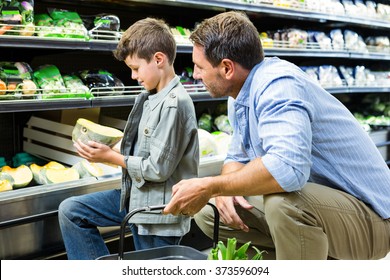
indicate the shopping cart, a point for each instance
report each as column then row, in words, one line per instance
column 172, row 252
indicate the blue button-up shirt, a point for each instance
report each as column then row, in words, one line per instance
column 303, row 133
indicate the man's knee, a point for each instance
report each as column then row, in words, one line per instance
column 281, row 207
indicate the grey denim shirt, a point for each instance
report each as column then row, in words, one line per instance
column 167, row 150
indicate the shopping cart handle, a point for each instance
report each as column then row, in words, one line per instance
column 160, row 207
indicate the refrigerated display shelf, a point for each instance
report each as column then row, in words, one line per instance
column 302, row 12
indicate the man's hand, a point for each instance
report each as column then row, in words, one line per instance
column 227, row 211
column 188, row 197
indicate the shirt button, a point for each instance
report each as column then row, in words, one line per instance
column 172, row 94
column 138, row 179
column 146, row 131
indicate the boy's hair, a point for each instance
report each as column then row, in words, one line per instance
column 229, row 35
column 146, row 37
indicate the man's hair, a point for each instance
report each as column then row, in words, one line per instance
column 229, row 35
column 146, row 37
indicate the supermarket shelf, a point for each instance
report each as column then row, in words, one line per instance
column 264, row 7
column 40, row 105
column 128, row 95
column 311, row 50
column 42, row 42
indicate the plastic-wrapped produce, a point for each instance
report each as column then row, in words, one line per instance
column 324, row 42
column 361, row 8
column 70, row 22
column 207, row 144
column 326, row 6
column 74, row 84
column 350, row 8
column 383, row 11
column 17, row 17
column 371, row 9
column 297, row 38
column 354, row 41
column 102, row 26
column 347, row 74
column 223, row 141
column 329, row 76
column 266, row 41
column 60, row 23
column 102, row 82
column 312, row 71
column 337, row 39
column 205, row 122
column 378, row 43
column 17, row 78
column 49, row 80
column 360, row 76
column 223, row 124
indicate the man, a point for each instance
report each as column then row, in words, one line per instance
column 301, row 176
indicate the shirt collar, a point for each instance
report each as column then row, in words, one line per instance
column 155, row 99
column 243, row 95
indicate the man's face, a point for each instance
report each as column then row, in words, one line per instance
column 209, row 75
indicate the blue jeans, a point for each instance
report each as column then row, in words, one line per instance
column 79, row 217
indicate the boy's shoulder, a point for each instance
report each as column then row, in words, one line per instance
column 177, row 95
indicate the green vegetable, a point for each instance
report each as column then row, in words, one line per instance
column 205, row 122
column 229, row 252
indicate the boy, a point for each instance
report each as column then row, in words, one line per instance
column 159, row 148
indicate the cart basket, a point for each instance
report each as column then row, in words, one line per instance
column 172, row 252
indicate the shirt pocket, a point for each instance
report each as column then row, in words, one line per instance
column 144, row 147
column 156, row 193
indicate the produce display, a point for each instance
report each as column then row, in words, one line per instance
column 86, row 130
column 21, row 175
column 60, row 23
column 49, row 80
column 16, row 79
column 331, row 76
column 17, row 17
column 207, row 144
column 222, row 140
column 51, row 172
column 101, row 81
column 56, row 175
column 6, row 182
column 102, row 26
column 88, row 169
column 39, row 175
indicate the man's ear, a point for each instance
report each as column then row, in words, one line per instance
column 227, row 68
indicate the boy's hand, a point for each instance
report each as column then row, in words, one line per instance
column 93, row 152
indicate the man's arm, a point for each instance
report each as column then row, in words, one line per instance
column 189, row 196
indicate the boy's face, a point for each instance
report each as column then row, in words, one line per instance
column 146, row 73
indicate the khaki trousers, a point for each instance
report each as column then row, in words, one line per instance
column 314, row 223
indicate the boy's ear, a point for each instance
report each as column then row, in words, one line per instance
column 159, row 57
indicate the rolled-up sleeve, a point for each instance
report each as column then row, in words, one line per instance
column 286, row 135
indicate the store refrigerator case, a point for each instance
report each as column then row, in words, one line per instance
column 28, row 217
